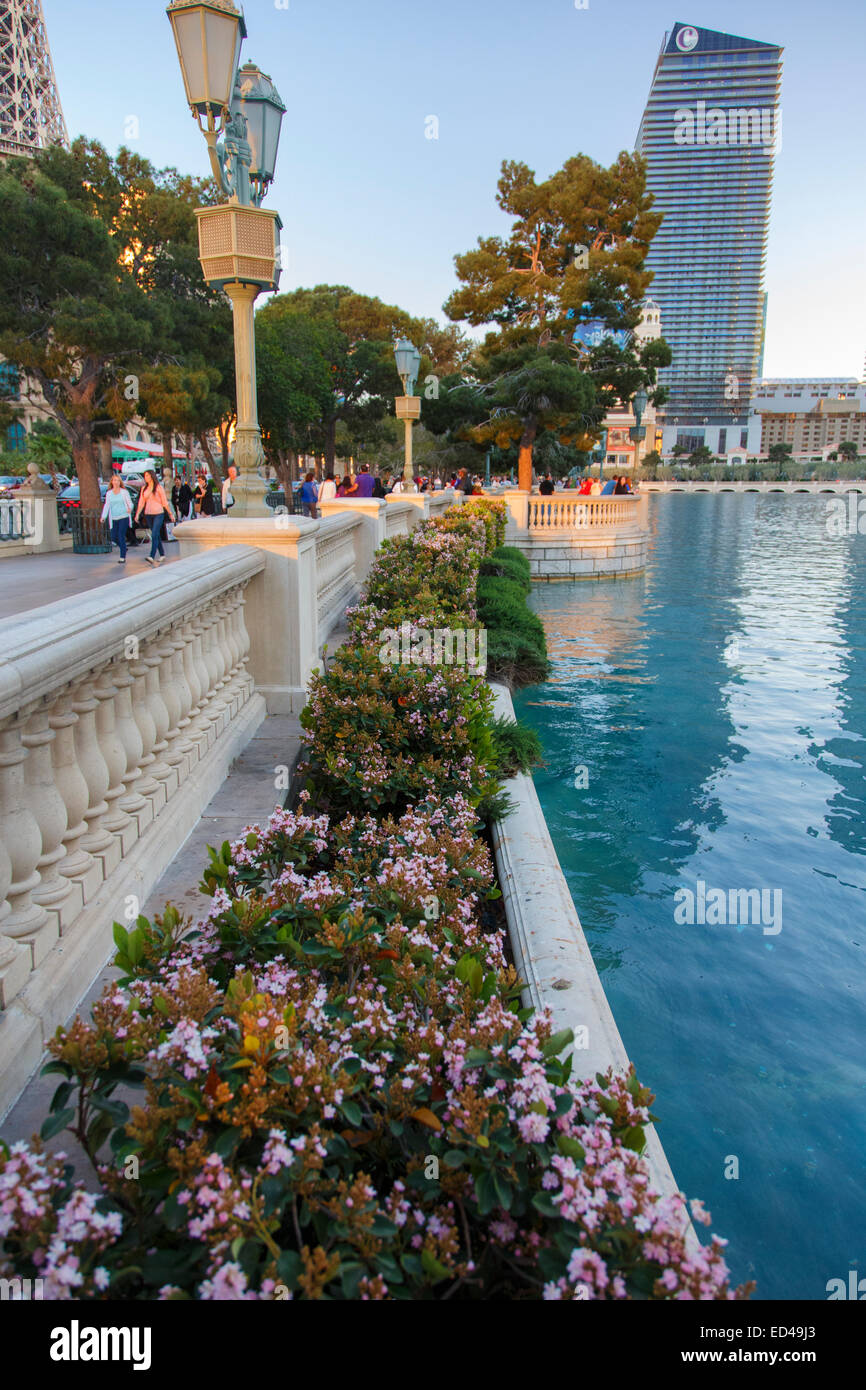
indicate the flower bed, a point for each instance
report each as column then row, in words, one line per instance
column 340, row 1096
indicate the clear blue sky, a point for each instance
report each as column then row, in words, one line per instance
column 368, row 201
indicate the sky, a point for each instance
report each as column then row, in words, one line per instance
column 368, row 200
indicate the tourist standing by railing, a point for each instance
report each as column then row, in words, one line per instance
column 153, row 502
column 328, row 490
column 310, row 496
column 118, row 511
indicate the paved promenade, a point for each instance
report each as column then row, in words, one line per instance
column 29, row 581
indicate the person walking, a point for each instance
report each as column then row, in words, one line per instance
column 226, row 498
column 153, row 502
column 208, row 501
column 118, row 511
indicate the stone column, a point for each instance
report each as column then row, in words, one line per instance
column 250, row 488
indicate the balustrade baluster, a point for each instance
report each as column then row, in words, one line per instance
column 28, row 922
column 117, row 820
column 49, row 812
column 99, row 841
column 133, row 802
column 143, row 714
column 78, row 865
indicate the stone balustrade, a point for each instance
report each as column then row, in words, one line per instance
column 566, row 536
column 120, row 715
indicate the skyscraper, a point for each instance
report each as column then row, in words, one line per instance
column 709, row 134
column 30, row 113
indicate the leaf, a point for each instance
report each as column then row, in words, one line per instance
column 432, row 1266
column 555, row 1044
column 455, row 1158
column 352, row 1112
column 425, row 1116
column 55, row 1123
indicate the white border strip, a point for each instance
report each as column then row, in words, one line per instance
column 550, row 950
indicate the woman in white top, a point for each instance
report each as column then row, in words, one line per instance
column 118, row 510
column 328, row 489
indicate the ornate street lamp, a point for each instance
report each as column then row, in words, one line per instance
column 239, row 112
column 638, row 431
column 407, row 406
column 208, row 35
column 258, row 100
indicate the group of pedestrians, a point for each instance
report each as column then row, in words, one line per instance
column 157, row 511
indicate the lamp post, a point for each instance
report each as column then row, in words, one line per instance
column 638, row 431
column 239, row 112
column 602, row 452
column 407, row 406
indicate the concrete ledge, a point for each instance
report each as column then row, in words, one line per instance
column 550, row 949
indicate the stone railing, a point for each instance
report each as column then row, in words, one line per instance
column 565, row 536
column 120, row 715
column 16, row 519
column 29, row 520
column 338, row 574
column 572, row 513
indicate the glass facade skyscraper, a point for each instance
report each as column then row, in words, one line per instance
column 709, row 134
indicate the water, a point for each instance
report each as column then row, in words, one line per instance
column 718, row 705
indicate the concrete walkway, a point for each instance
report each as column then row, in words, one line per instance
column 29, row 581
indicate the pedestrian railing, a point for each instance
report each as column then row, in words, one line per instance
column 557, row 513
column 16, row 519
column 120, row 715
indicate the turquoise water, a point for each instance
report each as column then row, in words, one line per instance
column 718, row 707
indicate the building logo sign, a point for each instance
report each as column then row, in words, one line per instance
column 687, row 39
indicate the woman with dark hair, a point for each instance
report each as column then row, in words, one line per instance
column 378, row 489
column 208, row 505
column 309, row 496
column 153, row 502
column 345, row 487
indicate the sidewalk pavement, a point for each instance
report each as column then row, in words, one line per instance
column 29, row 581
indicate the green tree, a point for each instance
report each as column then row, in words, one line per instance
column 99, row 282
column 576, row 252
column 848, row 449
column 357, row 334
column 780, row 453
column 293, row 366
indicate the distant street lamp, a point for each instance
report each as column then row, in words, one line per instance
column 638, row 431
column 239, row 112
column 407, row 406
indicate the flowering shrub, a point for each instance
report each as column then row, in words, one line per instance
column 340, row 1095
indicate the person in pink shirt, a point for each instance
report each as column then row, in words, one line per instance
column 153, row 502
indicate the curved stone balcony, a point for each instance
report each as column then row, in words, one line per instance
column 566, row 536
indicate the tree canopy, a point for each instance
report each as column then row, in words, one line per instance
column 575, row 254
column 99, row 284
